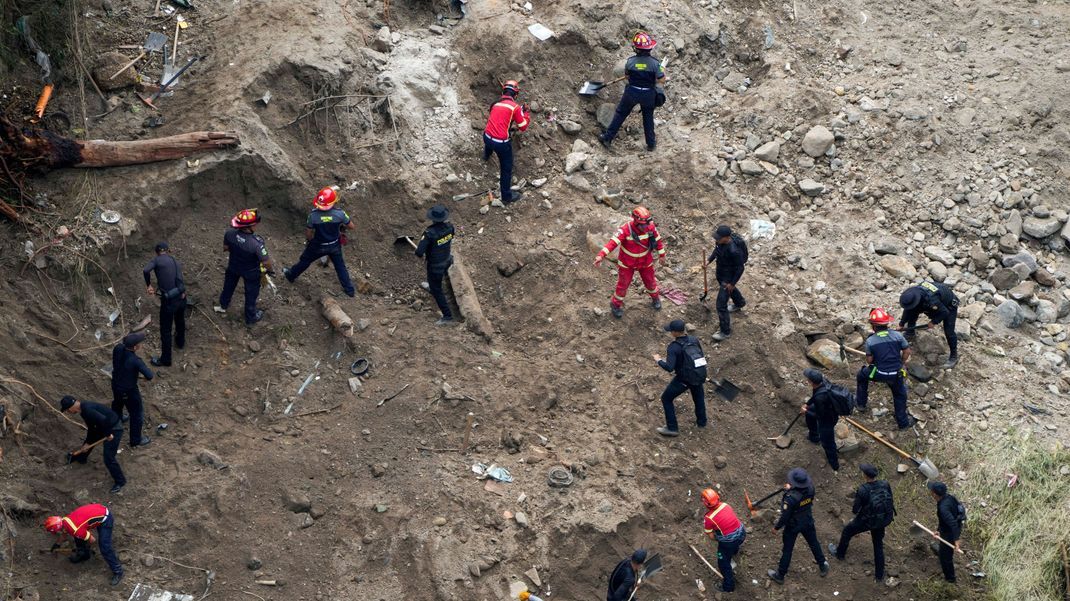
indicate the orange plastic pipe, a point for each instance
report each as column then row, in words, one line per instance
column 42, row 102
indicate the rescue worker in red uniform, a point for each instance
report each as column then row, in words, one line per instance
column 503, row 114
column 722, row 525
column 79, row 524
column 638, row 240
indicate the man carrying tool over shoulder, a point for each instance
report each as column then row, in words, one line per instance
column 101, row 424
column 324, row 237
column 247, row 253
column 638, row 240
column 687, row 361
column 622, row 581
column 79, row 524
column 172, row 290
column 503, row 114
column 722, row 525
column 887, row 351
column 940, row 304
column 797, row 517
column 644, row 73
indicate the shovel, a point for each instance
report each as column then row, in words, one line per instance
column 590, row 88
column 651, row 567
column 153, row 43
column 73, row 454
column 726, row 389
column 403, row 240
column 917, row 530
column 784, row 441
column 708, row 564
column 925, row 466
column 753, row 507
column 705, row 279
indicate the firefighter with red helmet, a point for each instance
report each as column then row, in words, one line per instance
column 887, row 351
column 639, row 241
column 503, row 114
column 325, row 237
column 80, row 524
column 644, row 73
column 247, row 254
column 721, row 524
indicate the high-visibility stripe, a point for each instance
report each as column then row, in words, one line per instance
column 636, row 255
column 511, row 107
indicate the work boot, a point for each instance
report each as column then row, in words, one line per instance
column 835, row 553
column 513, row 197
column 720, row 336
column 656, row 303
column 257, row 317
column 286, row 273
column 952, row 361
column 156, row 362
column 80, row 555
column 219, row 309
column 115, row 489
column 604, row 142
column 444, row 321
column 911, row 420
column 824, row 567
column 116, row 579
column 144, row 441
column 617, row 312
column 667, row 432
column 775, row 576
column 650, row 148
column 733, row 308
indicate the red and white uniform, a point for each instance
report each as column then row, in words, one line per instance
column 79, row 522
column 638, row 245
column 721, row 521
column 503, row 114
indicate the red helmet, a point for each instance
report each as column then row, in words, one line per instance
column 710, row 498
column 642, row 215
column 245, row 218
column 54, row 524
column 879, row 317
column 511, row 86
column 325, row 199
column 644, row 41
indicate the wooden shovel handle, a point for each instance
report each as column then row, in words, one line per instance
column 91, row 447
column 891, row 446
column 933, row 534
column 128, row 65
column 708, row 564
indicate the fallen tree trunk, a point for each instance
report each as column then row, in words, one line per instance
column 465, row 293
column 333, row 312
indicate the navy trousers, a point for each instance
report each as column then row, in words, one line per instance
column 723, row 297
column 172, row 322
column 675, row 389
column 854, row 528
column 110, row 449
column 434, row 286
column 131, row 400
column 504, row 150
column 632, row 97
column 897, row 382
column 252, row 291
column 825, row 434
column 103, row 534
column 313, row 252
column 726, row 550
column 809, row 533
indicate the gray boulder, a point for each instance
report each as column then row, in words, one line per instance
column 1037, row 227
column 768, row 152
column 1010, row 314
column 939, row 254
column 810, row 187
column 817, row 141
column 1005, row 279
column 1021, row 258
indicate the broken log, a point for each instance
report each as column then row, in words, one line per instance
column 465, row 293
column 338, row 318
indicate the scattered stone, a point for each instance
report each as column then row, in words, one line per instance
column 1023, row 292
column 383, row 42
column 817, row 141
column 579, row 182
column 1065, row 234
column 439, row 521
column 1023, row 258
column 382, row 507
column 1036, row 227
column 938, row 254
column 769, row 152
column 521, row 519
column 1045, row 279
column 902, row 468
column 898, row 267
column 1047, row 312
column 148, row 560
column 304, row 520
column 1004, row 278
column 887, row 247
column 378, row 470
column 720, row 462
column 825, row 353
column 915, row 113
column 474, row 570
column 869, row 105
column 355, row 385
column 749, row 167
column 611, row 198
column 363, row 324
column 107, row 64
column 1010, row 314
column 919, row 372
column 574, row 161
column 937, row 271
column 254, row 563
column 538, row 182
column 810, row 187
column 296, row 501
column 1008, row 243
column 210, row 459
column 507, row 268
column 533, row 576
column 570, row 127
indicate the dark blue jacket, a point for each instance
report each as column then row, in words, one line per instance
column 99, row 420
column 886, row 348
column 621, row 582
column 435, row 245
column 125, row 367
column 938, row 300
column 947, row 511
column 796, row 509
column 247, row 251
column 643, row 71
column 820, row 405
column 168, row 273
column 730, row 261
column 327, row 226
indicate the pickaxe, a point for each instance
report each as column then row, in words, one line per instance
column 753, row 506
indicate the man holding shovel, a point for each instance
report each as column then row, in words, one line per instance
column 101, row 424
column 80, row 524
column 797, row 517
column 950, row 514
column 435, row 246
column 886, row 353
column 722, row 525
column 874, row 511
column 622, row 581
column 685, row 359
column 247, row 253
column 821, row 416
column 644, row 73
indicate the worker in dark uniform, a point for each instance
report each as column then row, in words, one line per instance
column 874, row 510
column 172, row 289
column 950, row 514
column 622, row 582
column 497, row 136
column 685, row 359
column 821, row 416
column 324, row 238
column 247, row 254
column 100, row 423
column 940, row 304
column 644, row 72
column 731, row 256
column 797, row 517
column 126, row 366
column 887, row 351
column 435, row 247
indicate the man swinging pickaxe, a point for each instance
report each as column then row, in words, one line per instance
column 753, row 507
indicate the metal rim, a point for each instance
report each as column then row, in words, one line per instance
column 110, row 216
column 360, row 367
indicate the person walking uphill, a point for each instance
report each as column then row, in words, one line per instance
column 101, row 423
column 685, row 358
column 731, row 255
column 940, row 304
column 951, row 515
column 644, row 72
column 80, row 524
column 622, row 581
column 172, row 289
column 503, row 114
column 821, row 416
column 435, row 246
column 886, row 353
column 874, row 511
column 797, row 517
column 324, row 237
column 247, row 254
column 722, row 525
column 126, row 366
column 638, row 240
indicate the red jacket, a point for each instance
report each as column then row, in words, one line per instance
column 79, row 522
column 503, row 114
column 636, row 249
column 721, row 521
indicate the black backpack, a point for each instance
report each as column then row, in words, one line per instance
column 881, row 508
column 692, row 370
column 742, row 244
column 843, row 400
column 960, row 511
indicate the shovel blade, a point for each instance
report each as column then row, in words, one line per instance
column 727, row 390
column 927, row 469
column 783, row 441
column 155, row 42
column 590, row 88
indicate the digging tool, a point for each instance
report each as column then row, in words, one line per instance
column 726, row 389
column 651, row 567
column 784, row 441
column 590, row 88
column 404, row 240
column 73, row 454
column 58, row 549
column 753, row 507
column 166, row 86
column 925, row 466
column 917, row 528
column 154, row 42
column 705, row 279
column 708, row 564
column 144, row 323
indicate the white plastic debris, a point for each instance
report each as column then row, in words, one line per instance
column 540, row 31
column 759, row 229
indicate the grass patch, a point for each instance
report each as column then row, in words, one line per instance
column 1021, row 530
column 937, row 589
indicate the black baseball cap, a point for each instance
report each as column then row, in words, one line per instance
column 639, row 556
column 160, row 246
column 722, row 231
column 868, row 469
column 814, row 375
column 937, row 487
column 676, row 325
column 67, row 402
